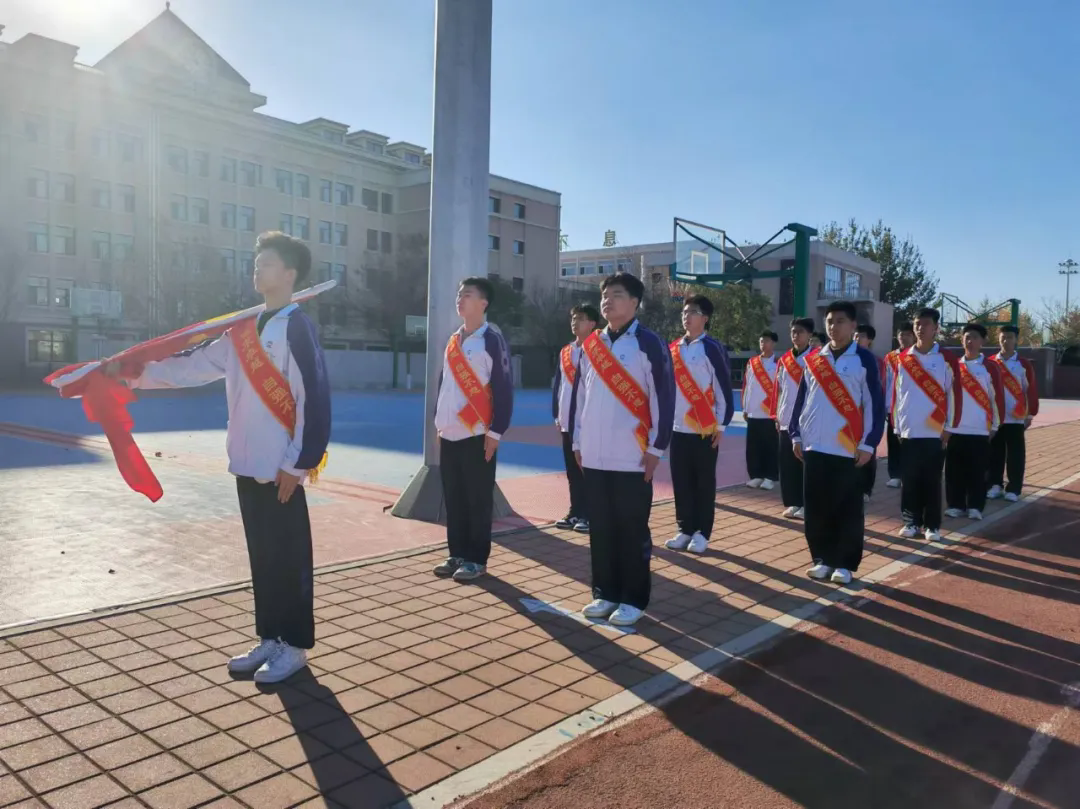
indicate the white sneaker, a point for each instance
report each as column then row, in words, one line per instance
column 932, row 535
column 254, row 658
column 908, row 532
column 284, row 664
column 994, row 493
column 799, row 513
column 678, row 542
column 894, row 483
column 754, row 483
column 698, row 543
column 625, row 615
column 954, row 512
column 790, row 512
column 974, row 514
column 599, row 609
column 840, row 576
column 1012, row 498
column 767, row 485
column 820, row 572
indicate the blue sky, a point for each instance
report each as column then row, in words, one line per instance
column 954, row 121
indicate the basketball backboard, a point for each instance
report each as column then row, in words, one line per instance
column 697, row 248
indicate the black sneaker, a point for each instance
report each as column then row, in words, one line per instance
column 581, row 526
column 448, row 568
column 566, row 522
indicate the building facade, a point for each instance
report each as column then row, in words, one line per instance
column 131, row 193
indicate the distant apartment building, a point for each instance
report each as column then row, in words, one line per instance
column 834, row 274
column 133, row 185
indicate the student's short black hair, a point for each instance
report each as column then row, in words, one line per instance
column 867, row 329
column 586, row 309
column 805, row 323
column 770, row 335
column 906, row 326
column 1010, row 330
column 844, row 308
column 295, row 255
column 931, row 313
column 978, row 328
column 483, row 286
column 631, row 283
column 821, row 337
column 701, row 302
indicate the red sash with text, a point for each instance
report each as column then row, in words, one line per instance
column 767, row 385
column 566, row 356
column 977, row 392
column 266, row 380
column 478, row 406
column 791, row 365
column 1012, row 384
column 839, row 397
column 702, row 413
column 623, row 386
column 928, row 385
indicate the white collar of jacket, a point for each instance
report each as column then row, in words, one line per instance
column 478, row 333
column 631, row 329
column 1000, row 356
column 935, row 350
column 686, row 341
column 284, row 311
column 828, row 352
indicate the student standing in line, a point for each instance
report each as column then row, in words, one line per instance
column 584, row 320
column 865, row 335
column 905, row 336
column 789, row 374
column 704, row 406
column 759, row 410
column 969, row 448
column 837, row 420
column 622, row 409
column 1009, row 447
column 476, row 401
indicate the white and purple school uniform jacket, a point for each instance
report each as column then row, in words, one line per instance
column 973, row 416
column 756, row 404
column 787, row 388
column 563, row 390
column 603, row 427
column 816, row 423
column 487, row 354
column 1024, row 373
column 707, row 362
column 912, row 408
column 257, row 443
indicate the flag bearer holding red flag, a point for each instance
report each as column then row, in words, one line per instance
column 279, row 427
column 837, row 422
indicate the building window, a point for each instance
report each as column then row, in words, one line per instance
column 100, row 194
column 412, row 157
column 284, row 179
column 228, row 261
column 387, row 203
column 123, row 247
column 202, row 163
column 494, row 205
column 63, row 240
column 200, row 211
column 247, row 219
column 587, row 268
column 99, row 245
column 519, row 247
column 785, row 301
column 64, row 188
column 247, row 261
column 518, row 284
column 302, row 227
column 326, row 232
column 326, row 191
column 228, row 170
column 339, row 274
column 494, row 276
column 303, row 186
column 372, row 240
column 374, row 147
column 519, row 210
column 37, row 184
column 177, row 158
column 333, row 137
column 387, row 244
column 62, row 293
column 343, row 193
column 341, row 235
column 493, row 242
column 228, row 215
column 624, row 265
column 127, row 198
column 99, row 143
column 324, row 271
column 834, row 280
column 852, row 283
column 37, row 291
column 250, row 173
column 36, row 129
column 369, row 199
column 567, row 269
column 285, row 223
column 49, row 345
column 65, row 135
column 128, row 147
column 178, row 207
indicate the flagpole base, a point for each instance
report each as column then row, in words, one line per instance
column 423, row 499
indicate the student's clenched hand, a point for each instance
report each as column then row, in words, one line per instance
column 650, row 462
column 286, row 485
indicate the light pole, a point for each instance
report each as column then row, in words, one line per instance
column 1068, row 269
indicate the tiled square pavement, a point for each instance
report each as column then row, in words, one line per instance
column 413, row 678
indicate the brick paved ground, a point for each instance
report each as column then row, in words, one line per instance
column 413, row 678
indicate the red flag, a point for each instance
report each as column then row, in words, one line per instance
column 106, row 400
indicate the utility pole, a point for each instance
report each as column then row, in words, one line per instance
column 1068, row 269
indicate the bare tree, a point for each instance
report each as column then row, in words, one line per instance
column 1061, row 326
column 196, row 284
